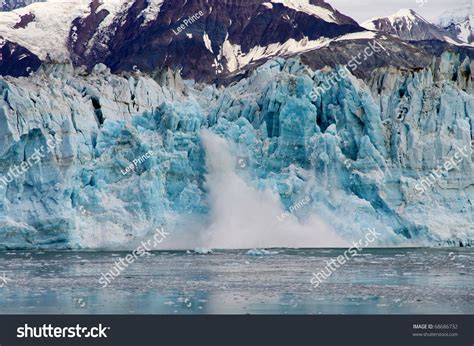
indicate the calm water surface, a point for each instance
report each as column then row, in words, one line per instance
column 378, row 281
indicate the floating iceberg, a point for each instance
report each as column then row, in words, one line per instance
column 261, row 252
column 202, row 251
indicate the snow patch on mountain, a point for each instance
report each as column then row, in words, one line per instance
column 459, row 22
column 48, row 32
column 207, row 42
column 363, row 35
column 114, row 7
column 402, row 16
column 405, row 14
column 152, row 10
column 236, row 59
column 117, row 10
column 410, row 26
column 306, row 7
column 456, row 14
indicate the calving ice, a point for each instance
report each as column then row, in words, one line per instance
column 4, row 280
column 188, row 21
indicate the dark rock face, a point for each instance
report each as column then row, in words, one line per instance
column 24, row 21
column 132, row 43
column 394, row 52
column 16, row 60
column 436, row 48
column 82, row 31
column 412, row 55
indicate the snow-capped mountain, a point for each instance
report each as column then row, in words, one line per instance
column 410, row 26
column 459, row 22
column 206, row 39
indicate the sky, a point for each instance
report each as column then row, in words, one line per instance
column 361, row 10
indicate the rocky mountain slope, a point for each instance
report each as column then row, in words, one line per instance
column 205, row 38
column 459, row 22
column 409, row 26
column 210, row 41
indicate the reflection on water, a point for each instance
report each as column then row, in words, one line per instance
column 379, row 281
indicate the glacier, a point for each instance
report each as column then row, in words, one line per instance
column 228, row 161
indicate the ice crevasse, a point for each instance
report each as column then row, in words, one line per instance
column 231, row 166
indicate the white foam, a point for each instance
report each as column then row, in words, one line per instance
column 243, row 217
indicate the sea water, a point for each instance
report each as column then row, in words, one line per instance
column 376, row 281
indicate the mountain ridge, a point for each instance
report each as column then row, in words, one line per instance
column 228, row 39
column 410, row 26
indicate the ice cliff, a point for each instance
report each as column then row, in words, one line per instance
column 231, row 165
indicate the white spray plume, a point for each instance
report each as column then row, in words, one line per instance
column 245, row 217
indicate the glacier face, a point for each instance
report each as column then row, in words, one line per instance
column 231, row 165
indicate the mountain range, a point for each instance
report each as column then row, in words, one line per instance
column 459, row 22
column 410, row 26
column 225, row 39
